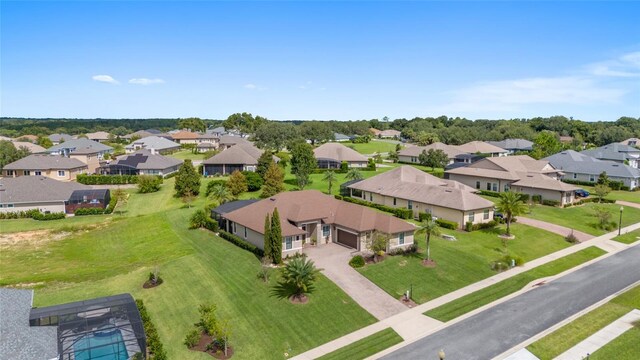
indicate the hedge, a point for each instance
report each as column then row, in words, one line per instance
column 613, row 184
column 241, row 243
column 488, row 225
column 106, row 179
column 447, row 224
column 523, row 197
column 89, row 211
column 200, row 219
column 402, row 213
column 112, row 205
column 424, row 216
column 550, row 202
column 154, row 345
column 34, row 214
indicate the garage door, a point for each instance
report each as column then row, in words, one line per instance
column 348, row 239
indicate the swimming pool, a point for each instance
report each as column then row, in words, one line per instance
column 102, row 345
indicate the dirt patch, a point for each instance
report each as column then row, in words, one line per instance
column 205, row 340
column 429, row 263
column 36, row 238
column 150, row 284
column 301, row 299
column 407, row 302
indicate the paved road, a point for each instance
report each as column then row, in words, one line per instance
column 498, row 329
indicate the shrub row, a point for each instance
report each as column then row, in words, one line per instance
column 33, row 214
column 241, row 243
column 411, row 249
column 613, row 184
column 200, row 219
column 89, row 211
column 424, row 216
column 590, row 200
column 469, row 226
column 548, row 202
column 154, row 345
column 112, row 205
column 402, row 213
column 447, row 224
column 107, row 179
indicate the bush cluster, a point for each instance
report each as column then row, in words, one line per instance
column 213, row 184
column 200, row 219
column 411, row 249
column 590, row 200
column 613, row 184
column 112, row 205
column 452, row 225
column 154, row 346
column 548, row 202
column 504, row 263
column 108, row 179
column 402, row 213
column 149, row 183
column 89, row 211
column 33, row 214
column 488, row 225
column 254, row 180
column 536, row 199
column 424, row 216
column 356, row 262
column 241, row 243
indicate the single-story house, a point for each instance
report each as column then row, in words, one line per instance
column 38, row 192
column 27, row 138
column 88, row 151
column 206, row 146
column 155, row 144
column 142, row 162
column 513, row 145
column 375, row 132
column 99, row 136
column 217, row 131
column 411, row 153
column 206, row 138
column 409, row 188
column 389, row 134
column 71, row 330
column 481, row 147
column 146, row 133
column 463, row 159
column 185, row 137
column 219, row 212
column 576, row 166
column 226, row 141
column 33, row 148
column 331, row 155
column 520, row 173
column 52, row 166
column 312, row 217
column 341, row 137
column 623, row 154
column 241, row 157
column 631, row 142
column 60, row 138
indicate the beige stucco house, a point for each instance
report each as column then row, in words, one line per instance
column 481, row 147
column 52, row 166
column 517, row 173
column 331, row 156
column 411, row 153
column 311, row 217
column 410, row 188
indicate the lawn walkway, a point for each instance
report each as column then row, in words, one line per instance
column 554, row 228
column 412, row 325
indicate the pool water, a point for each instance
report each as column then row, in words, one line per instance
column 103, row 346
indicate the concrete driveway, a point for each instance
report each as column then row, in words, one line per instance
column 333, row 260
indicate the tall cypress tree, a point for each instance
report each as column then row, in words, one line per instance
column 276, row 237
column 267, row 238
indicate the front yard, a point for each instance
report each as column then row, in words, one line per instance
column 459, row 263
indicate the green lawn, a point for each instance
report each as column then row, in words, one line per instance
column 494, row 292
column 581, row 218
column 631, row 196
column 625, row 347
column 187, row 155
column 629, row 237
column 372, row 147
column 366, row 347
column 197, row 268
column 571, row 334
column 459, row 263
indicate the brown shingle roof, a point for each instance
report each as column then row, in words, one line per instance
column 312, row 205
column 184, row 135
column 338, row 152
column 540, row 181
column 409, row 183
column 451, row 150
column 482, row 147
column 243, row 153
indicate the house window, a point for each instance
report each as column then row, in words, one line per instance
column 495, row 187
column 485, row 215
column 506, row 187
column 478, row 185
column 10, row 205
column 394, row 201
column 370, row 196
column 592, row 178
column 471, row 216
column 575, row 176
column 38, row 173
column 401, row 239
column 60, row 172
column 245, row 232
column 9, row 172
column 288, row 243
column 364, row 195
column 410, row 204
column 489, row 186
column 233, row 225
column 27, row 172
column 325, row 230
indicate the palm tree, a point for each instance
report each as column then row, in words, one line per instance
column 221, row 194
column 330, row 177
column 354, row 174
column 430, row 227
column 299, row 274
column 510, row 205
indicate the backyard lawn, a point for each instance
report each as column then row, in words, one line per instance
column 372, row 147
column 459, row 263
column 582, row 217
column 494, row 292
column 625, row 347
column 197, row 268
column 187, row 155
column 631, row 196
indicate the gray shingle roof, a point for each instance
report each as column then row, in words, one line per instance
column 232, row 140
column 575, row 162
column 18, row 340
column 80, row 146
column 338, row 152
column 45, row 162
column 246, row 154
column 144, row 160
column 24, row 189
column 157, row 143
column 339, row 136
column 615, row 152
column 513, row 144
column 58, row 137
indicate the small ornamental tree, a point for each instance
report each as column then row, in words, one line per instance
column 430, row 228
column 220, row 193
column 187, row 179
column 237, row 183
column 511, row 205
column 264, row 161
column 148, row 183
column 273, row 181
column 268, row 251
column 603, row 179
column 354, row 174
column 299, row 275
column 601, row 191
column 303, row 162
column 276, row 238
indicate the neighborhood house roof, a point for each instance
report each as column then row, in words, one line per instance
column 19, row 340
column 513, row 144
column 310, row 205
column 33, row 148
column 232, row 206
column 58, row 137
column 407, row 182
column 98, row 135
column 232, row 140
column 451, row 150
column 482, row 147
column 615, row 152
column 339, row 136
column 631, row 142
column 184, row 135
column 338, row 152
column 80, row 146
column 578, row 163
column 389, row 132
column 246, row 154
column 143, row 159
column 22, row 189
column 156, row 143
column 540, row 181
column 216, row 130
column 45, row 162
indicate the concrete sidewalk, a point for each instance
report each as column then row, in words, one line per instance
column 628, row 203
column 556, row 229
column 413, row 325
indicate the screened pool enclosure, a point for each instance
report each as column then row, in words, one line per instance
column 108, row 328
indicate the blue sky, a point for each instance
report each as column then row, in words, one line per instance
column 320, row 60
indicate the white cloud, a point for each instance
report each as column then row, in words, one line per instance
column 145, row 81
column 627, row 65
column 250, row 86
column 105, row 78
